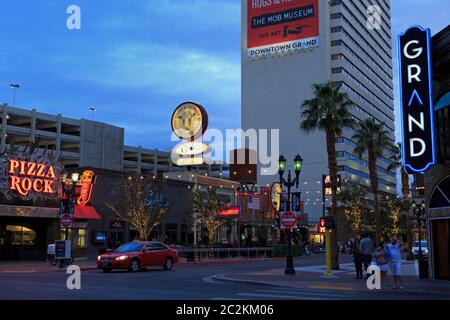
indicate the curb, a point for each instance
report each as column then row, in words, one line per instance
column 223, row 278
column 228, row 261
column 261, row 283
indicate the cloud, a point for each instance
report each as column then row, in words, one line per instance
column 166, row 70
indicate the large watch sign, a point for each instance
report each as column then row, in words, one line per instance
column 416, row 100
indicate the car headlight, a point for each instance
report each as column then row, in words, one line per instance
column 98, row 258
column 121, row 258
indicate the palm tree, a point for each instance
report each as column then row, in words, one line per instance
column 371, row 137
column 396, row 158
column 328, row 111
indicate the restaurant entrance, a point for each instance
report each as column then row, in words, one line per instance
column 24, row 238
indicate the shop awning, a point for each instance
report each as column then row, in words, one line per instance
column 86, row 213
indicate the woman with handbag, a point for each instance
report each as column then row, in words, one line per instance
column 381, row 257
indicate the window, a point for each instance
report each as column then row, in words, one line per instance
column 336, row 43
column 336, row 29
column 82, row 238
column 335, row 16
column 21, row 236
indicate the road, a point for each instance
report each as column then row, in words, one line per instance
column 185, row 282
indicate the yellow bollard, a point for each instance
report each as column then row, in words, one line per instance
column 328, row 274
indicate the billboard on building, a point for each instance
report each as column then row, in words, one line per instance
column 281, row 26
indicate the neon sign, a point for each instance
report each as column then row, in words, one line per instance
column 416, row 100
column 31, row 176
column 230, row 211
column 87, row 181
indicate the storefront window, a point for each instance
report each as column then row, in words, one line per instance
column 77, row 236
column 21, row 235
column 82, row 238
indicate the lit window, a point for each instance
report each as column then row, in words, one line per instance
column 21, row 235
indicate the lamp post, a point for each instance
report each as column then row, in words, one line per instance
column 419, row 211
column 289, row 183
column 69, row 183
column 14, row 86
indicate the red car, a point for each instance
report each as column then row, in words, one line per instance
column 138, row 254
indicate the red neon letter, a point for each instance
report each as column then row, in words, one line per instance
column 51, row 173
column 37, row 185
column 13, row 165
column 48, row 186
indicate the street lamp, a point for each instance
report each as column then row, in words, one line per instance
column 419, row 211
column 14, row 86
column 289, row 183
column 69, row 183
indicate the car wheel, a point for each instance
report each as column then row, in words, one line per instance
column 106, row 270
column 168, row 265
column 135, row 265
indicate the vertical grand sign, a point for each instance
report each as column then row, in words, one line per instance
column 416, row 100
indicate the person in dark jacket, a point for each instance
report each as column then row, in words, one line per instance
column 357, row 259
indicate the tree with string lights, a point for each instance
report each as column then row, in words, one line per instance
column 142, row 202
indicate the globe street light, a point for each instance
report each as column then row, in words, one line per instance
column 289, row 183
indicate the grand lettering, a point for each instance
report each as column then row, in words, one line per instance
column 30, row 176
column 417, row 109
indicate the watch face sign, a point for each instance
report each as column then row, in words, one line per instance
column 416, row 100
column 189, row 121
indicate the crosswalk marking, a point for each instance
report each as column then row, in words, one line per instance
column 279, row 296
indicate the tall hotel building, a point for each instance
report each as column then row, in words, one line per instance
column 337, row 45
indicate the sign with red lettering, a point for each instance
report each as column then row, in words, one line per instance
column 281, row 26
column 87, row 181
column 230, row 211
column 29, row 177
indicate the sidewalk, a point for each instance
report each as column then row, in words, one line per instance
column 310, row 278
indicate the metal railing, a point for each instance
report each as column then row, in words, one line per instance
column 225, row 253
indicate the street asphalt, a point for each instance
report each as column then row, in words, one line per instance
column 185, row 282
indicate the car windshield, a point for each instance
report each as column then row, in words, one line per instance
column 130, row 247
column 424, row 244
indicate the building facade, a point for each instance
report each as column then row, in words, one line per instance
column 437, row 179
column 346, row 51
column 30, row 198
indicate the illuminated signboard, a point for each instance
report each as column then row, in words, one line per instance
column 275, row 196
column 326, row 182
column 416, row 100
column 28, row 177
column 87, row 182
column 230, row 211
column 191, row 148
column 277, row 27
column 189, row 121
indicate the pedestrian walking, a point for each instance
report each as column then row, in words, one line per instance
column 394, row 250
column 366, row 250
column 381, row 257
column 357, row 260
